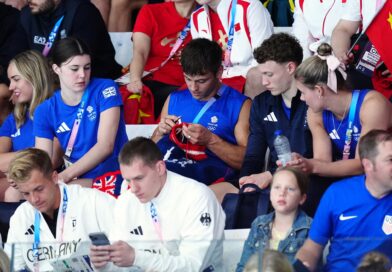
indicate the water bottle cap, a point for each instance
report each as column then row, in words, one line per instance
column 278, row 132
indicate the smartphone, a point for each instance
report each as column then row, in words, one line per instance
column 99, row 239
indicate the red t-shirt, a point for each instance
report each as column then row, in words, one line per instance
column 163, row 25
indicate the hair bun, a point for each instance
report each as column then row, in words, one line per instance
column 324, row 50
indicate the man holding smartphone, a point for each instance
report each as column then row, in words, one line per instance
column 56, row 218
column 164, row 222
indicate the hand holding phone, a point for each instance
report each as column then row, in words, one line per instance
column 99, row 239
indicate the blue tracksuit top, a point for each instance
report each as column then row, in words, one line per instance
column 267, row 115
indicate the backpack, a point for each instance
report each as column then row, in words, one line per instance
column 281, row 11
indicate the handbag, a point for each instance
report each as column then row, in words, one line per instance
column 242, row 208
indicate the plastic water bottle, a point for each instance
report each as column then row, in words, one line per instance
column 282, row 147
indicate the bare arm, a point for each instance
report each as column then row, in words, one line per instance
column 107, row 131
column 57, row 159
column 166, row 123
column 375, row 114
column 233, row 155
column 322, row 147
column 5, row 155
column 309, row 254
column 322, row 164
column 141, row 50
column 341, row 38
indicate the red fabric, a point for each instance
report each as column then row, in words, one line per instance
column 380, row 33
column 138, row 109
column 192, row 151
column 219, row 180
column 218, row 31
column 163, row 24
column 237, row 83
column 301, row 4
column 382, row 84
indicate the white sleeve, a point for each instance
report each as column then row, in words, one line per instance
column 13, row 238
column 352, row 11
column 301, row 30
column 194, row 33
column 103, row 205
column 201, row 245
column 259, row 23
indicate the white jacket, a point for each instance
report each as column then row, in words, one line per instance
column 253, row 26
column 88, row 210
column 314, row 23
column 352, row 11
column 192, row 223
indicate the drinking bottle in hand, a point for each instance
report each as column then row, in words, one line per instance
column 282, row 147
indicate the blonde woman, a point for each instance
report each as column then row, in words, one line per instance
column 337, row 115
column 30, row 84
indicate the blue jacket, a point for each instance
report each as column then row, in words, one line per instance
column 260, row 234
column 267, row 116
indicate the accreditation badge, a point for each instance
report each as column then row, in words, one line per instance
column 67, row 161
column 387, row 225
column 368, row 60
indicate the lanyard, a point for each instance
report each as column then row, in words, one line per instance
column 78, row 120
column 177, row 45
column 52, row 37
column 209, row 103
column 230, row 38
column 37, row 223
column 349, row 131
column 155, row 221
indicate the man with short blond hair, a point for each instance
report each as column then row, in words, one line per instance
column 55, row 216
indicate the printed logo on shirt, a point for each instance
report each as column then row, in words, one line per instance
column 165, row 41
column 16, row 134
column 108, row 92
column 63, row 128
column 137, row 231
column 334, row 135
column 63, row 34
column 387, row 225
column 214, row 119
column 213, row 125
column 271, row 117
column 344, row 218
column 30, row 230
column 74, row 223
column 205, row 219
column 182, row 162
column 92, row 115
column 356, row 133
column 39, row 40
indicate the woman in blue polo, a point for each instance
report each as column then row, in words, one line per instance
column 86, row 116
column 30, row 84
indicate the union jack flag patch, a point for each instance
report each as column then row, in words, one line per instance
column 109, row 183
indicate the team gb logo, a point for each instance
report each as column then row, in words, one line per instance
column 387, row 225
